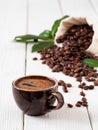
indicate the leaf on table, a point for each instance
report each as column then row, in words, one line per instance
column 91, row 62
column 25, row 38
column 42, row 45
column 56, row 25
column 31, row 38
column 46, row 34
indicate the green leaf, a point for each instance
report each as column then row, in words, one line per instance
column 46, row 34
column 91, row 62
column 42, row 45
column 56, row 25
column 26, row 38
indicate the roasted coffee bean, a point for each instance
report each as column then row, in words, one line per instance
column 82, row 93
column 78, row 104
column 65, row 89
column 43, row 62
column 35, row 58
column 84, row 84
column 91, row 87
column 85, row 104
column 85, row 87
column 84, row 99
column 69, row 105
column 47, row 55
column 96, row 82
column 90, row 79
column 56, row 68
column 62, row 83
column 79, row 79
column 80, row 86
column 91, row 74
column 68, row 85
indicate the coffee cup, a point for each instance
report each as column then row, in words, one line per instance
column 36, row 95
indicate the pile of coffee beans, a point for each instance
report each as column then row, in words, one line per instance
column 69, row 58
column 78, row 36
column 69, row 62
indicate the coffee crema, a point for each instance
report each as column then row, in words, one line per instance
column 34, row 83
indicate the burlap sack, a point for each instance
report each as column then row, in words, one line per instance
column 70, row 21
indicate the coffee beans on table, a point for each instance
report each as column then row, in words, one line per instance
column 82, row 93
column 35, row 58
column 69, row 58
column 69, row 105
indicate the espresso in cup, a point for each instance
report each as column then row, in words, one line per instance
column 35, row 95
column 35, row 83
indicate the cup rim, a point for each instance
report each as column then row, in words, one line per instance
column 27, row 76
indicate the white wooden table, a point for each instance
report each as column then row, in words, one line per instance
column 19, row 17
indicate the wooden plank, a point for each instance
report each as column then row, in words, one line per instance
column 94, row 5
column 64, row 118
column 92, row 96
column 77, row 8
column 59, row 120
column 12, row 60
column 42, row 15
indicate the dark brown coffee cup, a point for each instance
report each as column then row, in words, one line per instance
column 35, row 95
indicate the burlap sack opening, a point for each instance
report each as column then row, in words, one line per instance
column 70, row 21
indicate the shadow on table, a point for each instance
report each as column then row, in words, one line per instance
column 65, row 116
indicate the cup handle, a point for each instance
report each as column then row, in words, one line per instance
column 60, row 101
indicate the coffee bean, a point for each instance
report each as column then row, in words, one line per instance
column 90, row 79
column 69, row 105
column 82, row 93
column 78, row 104
column 91, row 87
column 65, row 89
column 55, row 68
column 68, row 85
column 80, row 86
column 62, row 83
column 96, row 82
column 43, row 62
column 84, row 84
column 35, row 58
column 47, row 55
column 85, row 87
column 84, row 99
column 79, row 79
column 85, row 104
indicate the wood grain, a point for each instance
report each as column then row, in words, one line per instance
column 78, row 8
column 12, row 58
